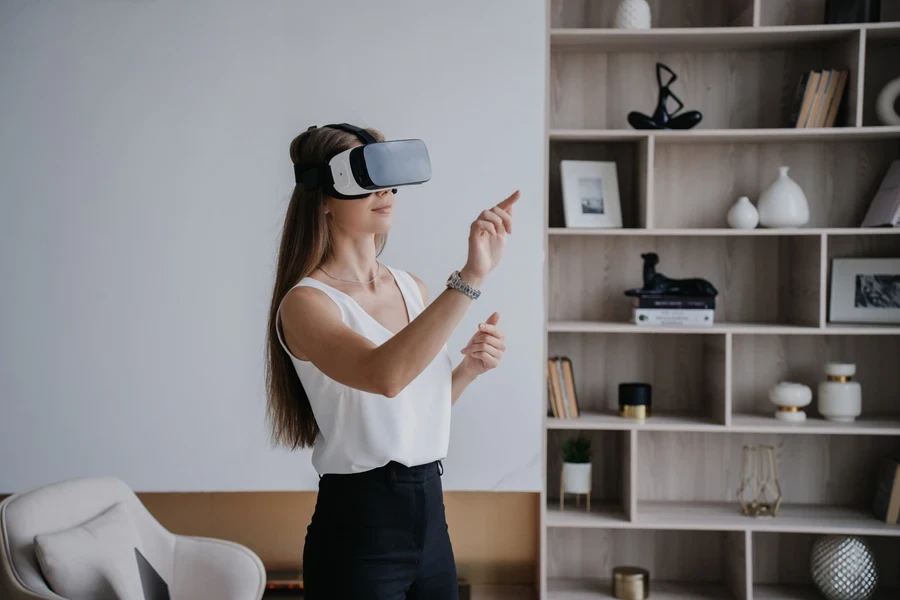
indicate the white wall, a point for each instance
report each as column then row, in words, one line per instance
column 144, row 175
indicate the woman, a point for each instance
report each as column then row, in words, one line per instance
column 362, row 374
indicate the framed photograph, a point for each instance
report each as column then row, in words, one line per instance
column 590, row 193
column 865, row 290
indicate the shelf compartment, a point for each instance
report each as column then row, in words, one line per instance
column 831, row 477
column 696, row 136
column 882, row 49
column 759, row 362
column 716, row 232
column 761, row 281
column 665, row 13
column 687, row 374
column 610, row 472
column 631, row 166
column 682, row 564
column 859, row 246
column 781, row 566
column 839, row 178
column 734, row 89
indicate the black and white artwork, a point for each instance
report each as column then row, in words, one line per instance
column 590, row 194
column 865, row 290
column 591, row 189
column 877, row 291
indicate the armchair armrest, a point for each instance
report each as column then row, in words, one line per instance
column 213, row 569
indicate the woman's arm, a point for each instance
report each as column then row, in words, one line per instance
column 313, row 327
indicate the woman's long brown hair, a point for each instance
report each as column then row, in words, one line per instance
column 305, row 243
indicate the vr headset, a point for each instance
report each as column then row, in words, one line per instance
column 372, row 167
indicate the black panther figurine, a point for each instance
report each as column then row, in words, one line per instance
column 656, row 284
column 661, row 118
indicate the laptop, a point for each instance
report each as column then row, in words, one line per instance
column 155, row 587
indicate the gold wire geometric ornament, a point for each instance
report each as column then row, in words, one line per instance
column 759, row 492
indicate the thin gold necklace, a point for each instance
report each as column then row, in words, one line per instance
column 377, row 271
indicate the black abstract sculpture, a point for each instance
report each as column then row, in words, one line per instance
column 656, row 284
column 662, row 118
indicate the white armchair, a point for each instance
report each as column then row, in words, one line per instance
column 195, row 568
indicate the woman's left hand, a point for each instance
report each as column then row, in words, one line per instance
column 485, row 348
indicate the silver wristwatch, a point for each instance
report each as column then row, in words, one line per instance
column 456, row 283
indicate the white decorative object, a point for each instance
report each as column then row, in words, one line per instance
column 886, row 103
column 783, row 204
column 632, row 14
column 577, row 478
column 865, row 290
column 790, row 398
column 840, row 398
column 590, row 192
column 743, row 215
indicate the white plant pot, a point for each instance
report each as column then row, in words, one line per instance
column 743, row 215
column 632, row 14
column 840, row 399
column 577, row 478
column 783, row 204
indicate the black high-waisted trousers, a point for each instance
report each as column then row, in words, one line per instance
column 380, row 535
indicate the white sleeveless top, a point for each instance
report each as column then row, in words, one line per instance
column 358, row 430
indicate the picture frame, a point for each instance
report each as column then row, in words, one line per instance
column 864, row 290
column 590, row 192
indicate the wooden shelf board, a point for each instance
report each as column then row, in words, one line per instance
column 792, row 518
column 727, row 136
column 592, row 589
column 868, row 425
column 724, row 516
column 700, row 38
column 724, row 232
column 719, row 328
column 806, row 592
column 603, row 514
column 658, row 422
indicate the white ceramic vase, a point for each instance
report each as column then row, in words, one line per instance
column 783, row 204
column 887, row 99
column 632, row 14
column 790, row 398
column 840, row 398
column 577, row 478
column 742, row 214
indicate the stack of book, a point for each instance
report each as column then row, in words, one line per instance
column 818, row 98
column 561, row 388
column 673, row 310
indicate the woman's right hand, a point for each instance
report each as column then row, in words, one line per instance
column 487, row 236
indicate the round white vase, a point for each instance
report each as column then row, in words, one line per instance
column 790, row 398
column 742, row 214
column 887, row 100
column 577, row 478
column 632, row 14
column 840, row 398
column 783, row 204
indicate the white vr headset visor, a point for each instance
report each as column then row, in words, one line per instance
column 372, row 167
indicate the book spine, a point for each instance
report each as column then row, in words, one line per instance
column 674, row 302
column 694, row 316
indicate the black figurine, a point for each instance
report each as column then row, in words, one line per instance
column 657, row 284
column 661, row 118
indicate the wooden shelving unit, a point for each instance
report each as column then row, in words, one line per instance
column 664, row 490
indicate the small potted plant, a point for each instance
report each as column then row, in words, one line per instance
column 576, row 473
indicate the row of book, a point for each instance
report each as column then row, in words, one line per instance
column 673, row 310
column 818, row 98
column 561, row 388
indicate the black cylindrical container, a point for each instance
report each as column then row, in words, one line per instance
column 635, row 400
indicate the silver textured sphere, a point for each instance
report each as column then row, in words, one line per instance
column 843, row 568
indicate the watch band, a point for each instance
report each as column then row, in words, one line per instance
column 457, row 283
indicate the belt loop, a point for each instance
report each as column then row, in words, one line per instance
column 440, row 468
